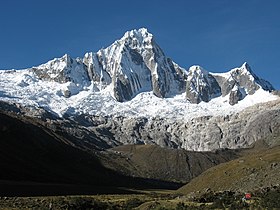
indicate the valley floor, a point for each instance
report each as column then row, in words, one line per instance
column 265, row 199
column 24, row 189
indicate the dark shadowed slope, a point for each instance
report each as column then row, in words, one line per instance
column 36, row 160
column 152, row 161
column 29, row 153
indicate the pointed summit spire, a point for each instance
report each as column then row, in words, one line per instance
column 246, row 69
column 138, row 38
column 246, row 66
column 138, row 33
column 196, row 69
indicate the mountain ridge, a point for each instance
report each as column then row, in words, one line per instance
column 131, row 86
column 135, row 63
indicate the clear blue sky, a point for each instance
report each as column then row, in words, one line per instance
column 216, row 34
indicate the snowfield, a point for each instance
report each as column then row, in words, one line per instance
column 22, row 86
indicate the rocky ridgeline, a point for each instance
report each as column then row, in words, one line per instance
column 135, row 63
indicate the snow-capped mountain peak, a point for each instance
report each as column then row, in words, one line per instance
column 161, row 102
column 201, row 86
column 246, row 66
column 198, row 70
column 141, row 35
column 133, row 67
column 62, row 70
column 245, row 69
column 135, row 63
column 247, row 79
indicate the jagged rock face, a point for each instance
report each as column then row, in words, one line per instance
column 237, row 83
column 199, row 134
column 236, row 95
column 206, row 133
column 165, row 79
column 243, row 78
column 201, row 86
column 264, row 126
column 131, row 65
column 95, row 70
column 134, row 64
column 62, row 70
column 128, row 72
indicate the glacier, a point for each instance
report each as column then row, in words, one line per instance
column 133, row 77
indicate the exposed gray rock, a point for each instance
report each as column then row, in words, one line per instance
column 122, row 89
column 62, row 70
column 96, row 73
column 67, row 93
column 264, row 125
column 205, row 133
column 201, row 86
column 244, row 78
column 236, row 95
column 134, row 64
column 276, row 92
column 200, row 134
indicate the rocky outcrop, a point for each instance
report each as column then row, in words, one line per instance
column 62, row 70
column 200, row 134
column 236, row 95
column 264, row 126
column 241, row 78
column 201, row 86
column 237, row 83
column 135, row 63
column 96, row 73
column 206, row 133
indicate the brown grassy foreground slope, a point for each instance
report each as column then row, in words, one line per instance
column 255, row 170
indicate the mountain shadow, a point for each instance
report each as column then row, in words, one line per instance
column 35, row 161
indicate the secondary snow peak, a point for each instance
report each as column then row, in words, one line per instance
column 198, row 70
column 201, row 86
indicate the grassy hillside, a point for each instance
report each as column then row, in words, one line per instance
column 258, row 168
